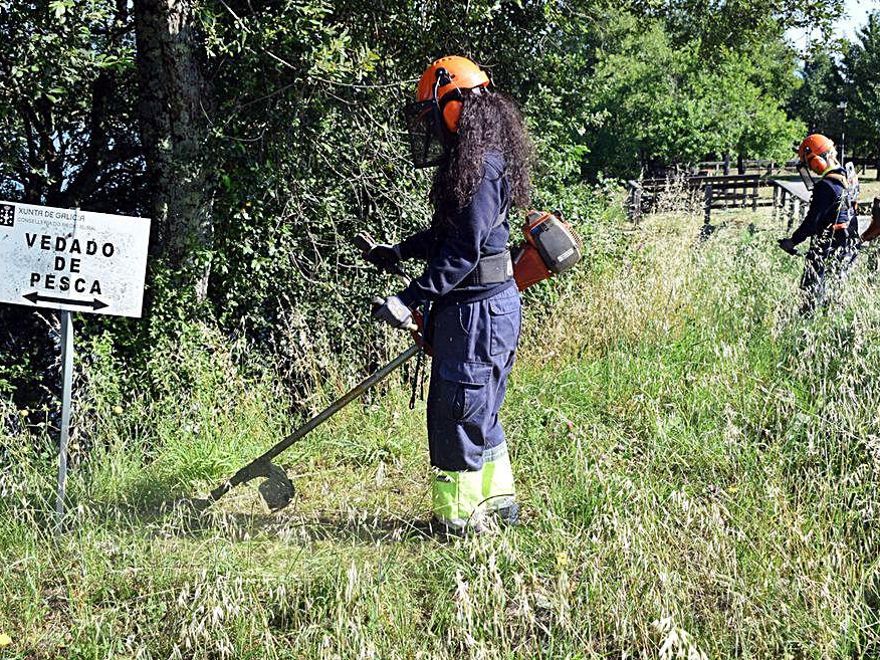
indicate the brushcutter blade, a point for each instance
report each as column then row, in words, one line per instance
column 277, row 490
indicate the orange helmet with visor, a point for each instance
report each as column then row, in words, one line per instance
column 433, row 118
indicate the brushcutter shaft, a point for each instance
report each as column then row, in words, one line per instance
column 259, row 466
column 358, row 390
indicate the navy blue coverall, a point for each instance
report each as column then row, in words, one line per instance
column 833, row 230
column 474, row 329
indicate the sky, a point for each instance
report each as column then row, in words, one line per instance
column 857, row 11
column 856, row 15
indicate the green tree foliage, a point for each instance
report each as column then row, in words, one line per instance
column 738, row 24
column 816, row 100
column 67, row 89
column 862, row 64
column 313, row 148
column 655, row 103
column 300, row 145
column 68, row 137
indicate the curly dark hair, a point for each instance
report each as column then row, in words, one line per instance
column 489, row 122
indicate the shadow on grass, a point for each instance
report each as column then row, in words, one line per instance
column 162, row 508
column 196, row 518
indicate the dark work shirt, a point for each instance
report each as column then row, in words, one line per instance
column 826, row 210
column 453, row 247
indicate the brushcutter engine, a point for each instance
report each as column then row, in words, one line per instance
column 550, row 248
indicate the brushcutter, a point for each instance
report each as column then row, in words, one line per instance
column 277, row 490
column 550, row 248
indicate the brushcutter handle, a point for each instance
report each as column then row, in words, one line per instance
column 378, row 303
column 365, row 243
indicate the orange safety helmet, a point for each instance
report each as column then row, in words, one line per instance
column 814, row 151
column 434, row 116
column 443, row 82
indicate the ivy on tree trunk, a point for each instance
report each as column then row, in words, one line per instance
column 173, row 106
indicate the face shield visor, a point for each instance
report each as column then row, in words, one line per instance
column 806, row 175
column 424, row 126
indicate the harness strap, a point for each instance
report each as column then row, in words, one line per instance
column 492, row 268
column 837, row 177
column 844, row 199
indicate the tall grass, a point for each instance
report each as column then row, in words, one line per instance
column 698, row 466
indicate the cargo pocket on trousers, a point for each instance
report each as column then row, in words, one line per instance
column 506, row 317
column 463, row 388
column 450, row 331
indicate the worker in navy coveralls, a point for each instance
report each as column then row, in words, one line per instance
column 477, row 138
column 831, row 222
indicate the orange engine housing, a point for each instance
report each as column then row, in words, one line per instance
column 550, row 248
column 529, row 268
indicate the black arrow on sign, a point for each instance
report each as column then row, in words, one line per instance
column 95, row 304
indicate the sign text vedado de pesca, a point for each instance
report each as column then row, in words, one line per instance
column 72, row 260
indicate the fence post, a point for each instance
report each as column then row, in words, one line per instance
column 774, row 209
column 795, row 211
column 707, row 204
column 755, row 197
column 788, row 209
column 637, row 203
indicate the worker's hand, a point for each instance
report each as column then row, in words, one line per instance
column 788, row 246
column 392, row 311
column 384, row 256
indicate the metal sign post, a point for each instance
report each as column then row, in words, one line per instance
column 66, row 387
column 66, row 391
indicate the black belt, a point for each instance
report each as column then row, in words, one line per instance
column 491, row 269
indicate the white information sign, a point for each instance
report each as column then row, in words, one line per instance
column 76, row 261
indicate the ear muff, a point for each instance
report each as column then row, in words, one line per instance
column 451, row 103
column 817, row 164
column 451, row 114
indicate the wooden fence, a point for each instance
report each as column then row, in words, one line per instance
column 718, row 192
column 741, row 166
column 790, row 201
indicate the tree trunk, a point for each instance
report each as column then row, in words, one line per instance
column 173, row 101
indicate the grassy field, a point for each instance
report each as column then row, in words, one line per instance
column 698, row 465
